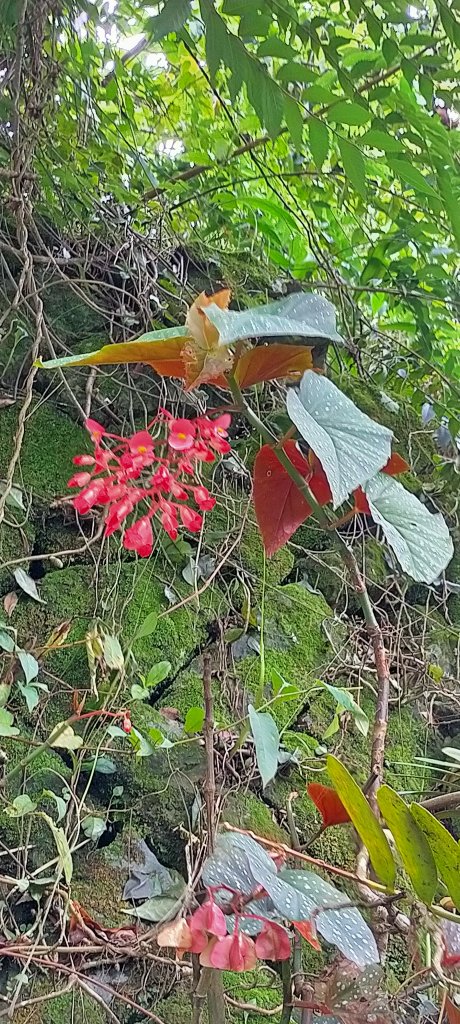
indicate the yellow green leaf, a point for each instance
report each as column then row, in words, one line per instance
column 445, row 850
column 365, row 822
column 411, row 843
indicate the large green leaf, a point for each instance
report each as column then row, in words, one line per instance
column 445, row 850
column 364, row 820
column 350, row 446
column 420, row 539
column 411, row 843
column 302, row 313
column 267, row 742
column 171, row 18
column 353, row 166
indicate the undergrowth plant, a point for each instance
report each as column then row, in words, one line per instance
column 332, row 463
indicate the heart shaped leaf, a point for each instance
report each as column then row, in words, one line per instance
column 350, row 446
column 411, row 843
column 365, row 822
column 419, row 538
column 309, row 316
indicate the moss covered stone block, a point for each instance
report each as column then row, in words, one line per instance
column 51, row 440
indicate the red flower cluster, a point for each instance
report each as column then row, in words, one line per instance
column 205, row 932
column 127, row 471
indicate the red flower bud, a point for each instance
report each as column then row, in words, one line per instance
column 79, row 480
column 191, row 520
column 83, row 460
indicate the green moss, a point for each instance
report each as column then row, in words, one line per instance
column 295, row 619
column 258, row 987
column 98, row 881
column 177, row 1009
column 15, row 543
column 72, row 1006
column 47, row 771
column 244, row 810
column 326, row 572
column 251, row 553
column 50, row 442
column 187, row 692
column 77, row 594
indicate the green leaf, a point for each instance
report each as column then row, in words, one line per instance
column 412, row 176
column 104, row 765
column 365, row 822
column 450, row 193
column 445, row 850
column 302, row 313
column 419, row 538
column 158, row 672
column 93, row 827
column 349, row 113
column 27, row 584
column 31, row 696
column 349, row 445
column 318, row 137
column 21, row 805
column 64, row 736
column 267, row 741
column 275, row 47
column 7, row 642
column 139, row 692
column 171, row 18
column 29, row 665
column 194, row 720
column 147, row 627
column 65, row 865
column 15, row 499
column 411, row 843
column 294, row 120
column 381, row 140
column 61, row 804
column 374, row 26
column 346, row 703
column 6, row 724
column 113, row 654
column 293, row 72
column 353, row 166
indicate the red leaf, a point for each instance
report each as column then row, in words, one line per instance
column 272, row 943
column 318, row 482
column 280, row 508
column 272, row 362
column 308, row 931
column 328, row 803
column 452, row 1011
column 396, row 464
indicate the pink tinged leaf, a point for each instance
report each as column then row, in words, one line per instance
column 272, row 943
column 235, row 952
column 176, row 935
column 209, row 918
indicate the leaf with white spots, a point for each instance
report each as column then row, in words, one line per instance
column 344, row 927
column 349, row 445
column 237, row 862
column 420, row 539
column 301, row 314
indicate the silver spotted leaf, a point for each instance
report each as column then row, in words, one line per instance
column 349, row 445
column 237, row 862
column 420, row 539
column 349, row 985
column 451, row 937
column 302, row 315
column 344, row 927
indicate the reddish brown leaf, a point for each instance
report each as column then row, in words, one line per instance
column 82, row 925
column 308, row 931
column 452, row 1012
column 279, row 506
column 328, row 803
column 9, row 602
column 272, row 362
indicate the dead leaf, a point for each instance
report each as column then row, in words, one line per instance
column 9, row 602
column 176, row 935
